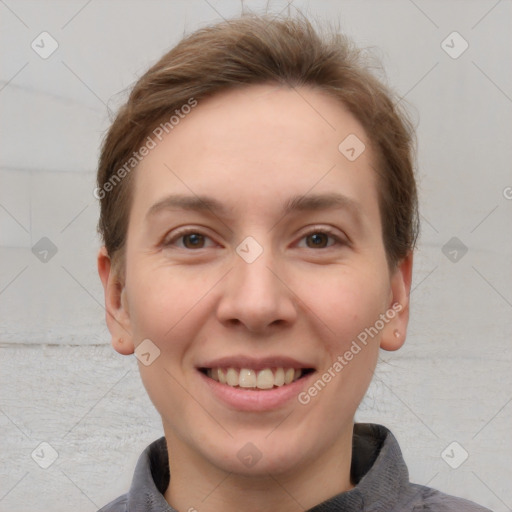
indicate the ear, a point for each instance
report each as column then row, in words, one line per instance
column 116, row 306
column 394, row 334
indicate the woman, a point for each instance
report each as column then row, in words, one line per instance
column 259, row 216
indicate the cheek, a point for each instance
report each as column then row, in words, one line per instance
column 345, row 302
column 164, row 307
column 162, row 301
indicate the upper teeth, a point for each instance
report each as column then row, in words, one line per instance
column 247, row 378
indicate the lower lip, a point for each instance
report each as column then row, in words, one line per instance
column 256, row 399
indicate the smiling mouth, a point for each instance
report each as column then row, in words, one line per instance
column 246, row 378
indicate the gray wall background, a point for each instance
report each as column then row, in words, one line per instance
column 60, row 381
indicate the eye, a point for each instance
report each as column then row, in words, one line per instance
column 320, row 239
column 189, row 240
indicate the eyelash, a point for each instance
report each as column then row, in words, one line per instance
column 182, row 233
column 325, row 231
column 189, row 231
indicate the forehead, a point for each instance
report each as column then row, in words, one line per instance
column 261, row 143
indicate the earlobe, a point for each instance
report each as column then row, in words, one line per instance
column 117, row 317
column 122, row 346
column 394, row 334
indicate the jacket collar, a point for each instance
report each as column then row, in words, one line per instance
column 378, row 472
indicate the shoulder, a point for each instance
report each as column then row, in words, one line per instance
column 431, row 500
column 118, row 505
column 383, row 479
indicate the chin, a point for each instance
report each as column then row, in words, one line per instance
column 255, row 456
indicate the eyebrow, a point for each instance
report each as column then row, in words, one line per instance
column 327, row 201
column 312, row 202
column 184, row 202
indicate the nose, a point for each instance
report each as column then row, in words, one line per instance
column 256, row 295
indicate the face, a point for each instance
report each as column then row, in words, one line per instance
column 255, row 255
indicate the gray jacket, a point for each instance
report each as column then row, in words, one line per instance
column 377, row 467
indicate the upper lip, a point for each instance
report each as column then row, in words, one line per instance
column 254, row 363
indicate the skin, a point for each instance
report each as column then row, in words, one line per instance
column 252, row 150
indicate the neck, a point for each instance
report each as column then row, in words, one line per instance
column 198, row 484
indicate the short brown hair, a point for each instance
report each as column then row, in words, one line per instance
column 256, row 50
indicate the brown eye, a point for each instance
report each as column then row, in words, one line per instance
column 317, row 240
column 188, row 239
column 193, row 241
